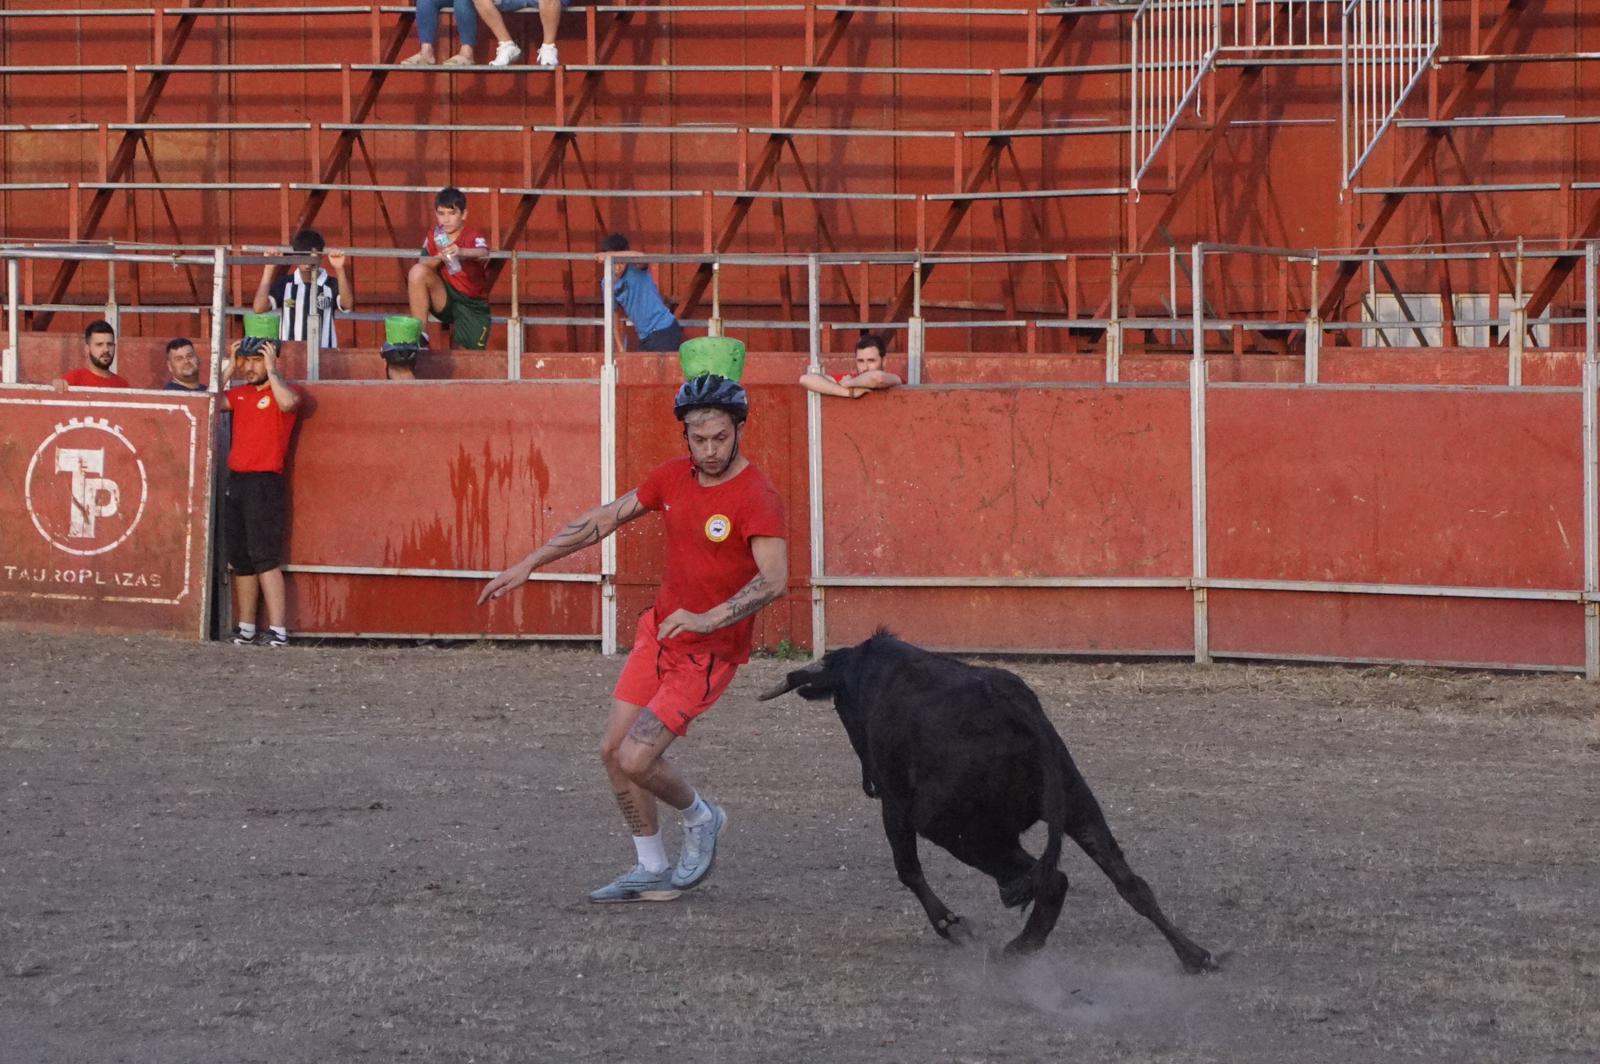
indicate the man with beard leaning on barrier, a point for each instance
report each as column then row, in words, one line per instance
column 726, row 558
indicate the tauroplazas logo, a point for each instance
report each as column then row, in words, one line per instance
column 86, row 487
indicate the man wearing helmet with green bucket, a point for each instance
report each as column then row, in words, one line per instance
column 727, row 557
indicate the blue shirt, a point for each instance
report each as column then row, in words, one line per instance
column 641, row 301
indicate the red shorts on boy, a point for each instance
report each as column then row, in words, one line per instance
column 675, row 686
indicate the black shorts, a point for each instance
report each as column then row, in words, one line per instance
column 252, row 521
column 665, row 340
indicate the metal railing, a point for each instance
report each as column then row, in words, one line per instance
column 1174, row 45
column 1383, row 47
column 1264, row 301
column 1386, row 47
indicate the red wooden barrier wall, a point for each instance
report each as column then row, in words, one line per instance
column 1480, row 489
column 444, row 477
column 1014, row 482
column 1473, row 489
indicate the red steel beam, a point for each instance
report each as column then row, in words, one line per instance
column 1561, row 268
column 1198, row 160
column 122, row 161
column 556, row 151
column 770, row 154
column 339, row 157
column 957, row 210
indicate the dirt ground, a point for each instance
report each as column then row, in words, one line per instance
column 217, row 854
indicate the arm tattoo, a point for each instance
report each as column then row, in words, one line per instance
column 581, row 532
column 647, row 728
column 629, row 507
column 749, row 599
column 585, row 530
column 630, row 812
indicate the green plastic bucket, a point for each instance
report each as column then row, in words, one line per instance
column 722, row 355
column 401, row 329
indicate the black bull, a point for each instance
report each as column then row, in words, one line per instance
column 965, row 757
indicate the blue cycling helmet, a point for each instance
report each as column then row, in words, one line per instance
column 710, row 390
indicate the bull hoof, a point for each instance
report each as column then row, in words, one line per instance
column 953, row 929
column 1201, row 964
column 1022, row 946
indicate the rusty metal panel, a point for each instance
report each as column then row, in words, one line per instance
column 1392, row 628
column 1451, row 488
column 104, row 511
column 459, row 477
column 1045, row 481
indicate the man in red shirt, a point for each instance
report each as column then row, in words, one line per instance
column 726, row 558
column 870, row 376
column 452, row 279
column 100, row 348
column 264, row 410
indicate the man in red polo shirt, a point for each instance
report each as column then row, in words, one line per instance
column 264, row 412
column 726, row 558
column 100, row 349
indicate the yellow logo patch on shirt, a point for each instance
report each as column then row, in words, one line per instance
column 718, row 528
column 264, row 402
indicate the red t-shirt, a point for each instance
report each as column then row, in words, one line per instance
column 708, row 547
column 84, row 377
column 261, row 429
column 473, row 277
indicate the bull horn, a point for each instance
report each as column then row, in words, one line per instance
column 797, row 678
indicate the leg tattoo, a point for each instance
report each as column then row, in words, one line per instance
column 647, row 728
column 631, row 813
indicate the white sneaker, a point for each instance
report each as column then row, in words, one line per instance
column 548, row 56
column 699, row 850
column 506, row 53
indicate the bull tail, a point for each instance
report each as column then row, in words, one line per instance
column 1052, row 773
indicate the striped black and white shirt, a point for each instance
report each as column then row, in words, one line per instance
column 293, row 299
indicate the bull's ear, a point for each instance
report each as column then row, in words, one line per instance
column 813, row 681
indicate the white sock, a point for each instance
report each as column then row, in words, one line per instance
column 247, row 630
column 282, row 633
column 698, row 812
column 652, row 855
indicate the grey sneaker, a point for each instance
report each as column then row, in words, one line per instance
column 637, row 885
column 699, row 850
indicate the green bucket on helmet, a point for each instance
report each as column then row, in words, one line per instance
column 261, row 326
column 401, row 329
column 722, row 355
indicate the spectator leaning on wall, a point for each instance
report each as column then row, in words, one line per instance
column 100, row 351
column 870, row 376
column 183, row 365
column 264, row 410
column 640, row 300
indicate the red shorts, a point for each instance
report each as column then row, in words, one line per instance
column 675, row 686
